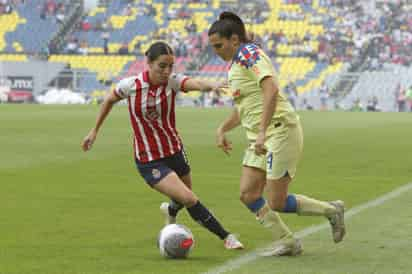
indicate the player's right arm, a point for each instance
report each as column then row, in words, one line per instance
column 122, row 90
column 105, row 109
column 230, row 123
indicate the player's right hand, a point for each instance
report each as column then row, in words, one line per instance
column 260, row 148
column 223, row 143
column 89, row 140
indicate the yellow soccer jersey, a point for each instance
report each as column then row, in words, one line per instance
column 249, row 66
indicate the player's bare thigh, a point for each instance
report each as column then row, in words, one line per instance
column 187, row 180
column 252, row 184
column 173, row 187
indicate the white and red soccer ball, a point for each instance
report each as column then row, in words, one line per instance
column 175, row 241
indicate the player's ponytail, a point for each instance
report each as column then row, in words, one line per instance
column 156, row 49
column 227, row 25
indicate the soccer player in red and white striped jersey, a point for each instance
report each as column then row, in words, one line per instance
column 158, row 148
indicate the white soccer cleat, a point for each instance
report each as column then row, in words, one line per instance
column 286, row 247
column 164, row 208
column 231, row 242
column 337, row 221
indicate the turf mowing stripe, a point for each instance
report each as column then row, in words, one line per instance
column 253, row 255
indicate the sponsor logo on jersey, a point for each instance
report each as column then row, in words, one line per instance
column 151, row 101
column 256, row 70
column 236, row 93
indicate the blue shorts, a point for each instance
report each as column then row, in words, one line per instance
column 156, row 170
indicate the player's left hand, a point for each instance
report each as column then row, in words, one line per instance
column 221, row 87
column 260, row 148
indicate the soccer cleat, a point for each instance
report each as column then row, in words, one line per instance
column 231, row 242
column 286, row 247
column 337, row 221
column 164, row 208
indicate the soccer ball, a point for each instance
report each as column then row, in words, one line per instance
column 175, row 241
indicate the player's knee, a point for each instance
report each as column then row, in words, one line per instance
column 247, row 197
column 189, row 199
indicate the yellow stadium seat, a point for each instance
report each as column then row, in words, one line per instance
column 96, row 10
column 13, row 57
column 8, row 23
column 101, row 64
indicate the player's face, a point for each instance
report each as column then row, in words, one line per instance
column 223, row 47
column 161, row 68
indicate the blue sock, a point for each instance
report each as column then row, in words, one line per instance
column 256, row 205
column 291, row 204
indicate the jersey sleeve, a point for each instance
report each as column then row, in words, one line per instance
column 125, row 87
column 177, row 82
column 256, row 62
column 262, row 68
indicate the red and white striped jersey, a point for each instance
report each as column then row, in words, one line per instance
column 152, row 115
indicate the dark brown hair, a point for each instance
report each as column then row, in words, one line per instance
column 227, row 25
column 156, row 49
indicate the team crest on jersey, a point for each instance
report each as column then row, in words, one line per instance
column 248, row 56
column 156, row 173
column 152, row 115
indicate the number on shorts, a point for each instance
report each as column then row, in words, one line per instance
column 269, row 160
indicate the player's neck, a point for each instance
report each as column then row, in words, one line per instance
column 152, row 80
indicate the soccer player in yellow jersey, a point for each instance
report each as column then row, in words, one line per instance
column 275, row 138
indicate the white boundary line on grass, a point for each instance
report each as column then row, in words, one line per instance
column 253, row 255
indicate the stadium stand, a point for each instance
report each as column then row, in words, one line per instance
column 32, row 17
column 313, row 43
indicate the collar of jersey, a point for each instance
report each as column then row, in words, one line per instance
column 147, row 80
column 237, row 53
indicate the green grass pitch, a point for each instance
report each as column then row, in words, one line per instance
column 65, row 211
